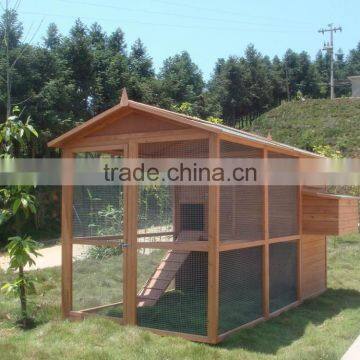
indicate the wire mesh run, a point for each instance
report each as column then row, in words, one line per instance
column 97, row 210
column 98, row 279
column 240, row 292
column 283, row 274
column 181, row 210
column 241, row 206
column 173, row 295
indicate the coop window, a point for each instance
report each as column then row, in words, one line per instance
column 192, row 217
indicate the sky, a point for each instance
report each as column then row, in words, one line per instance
column 207, row 29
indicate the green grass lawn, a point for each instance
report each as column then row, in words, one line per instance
column 322, row 328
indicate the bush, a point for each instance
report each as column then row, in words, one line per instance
column 102, row 252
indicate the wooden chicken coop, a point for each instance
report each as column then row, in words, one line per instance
column 199, row 261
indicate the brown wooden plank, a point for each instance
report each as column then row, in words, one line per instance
column 235, row 245
column 191, row 337
column 66, row 236
column 130, row 237
column 111, row 141
column 284, row 239
column 265, row 257
column 225, row 335
column 189, row 245
column 214, row 240
column 300, row 244
column 285, row 308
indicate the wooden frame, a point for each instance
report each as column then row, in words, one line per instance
column 266, row 252
column 66, row 236
column 214, row 243
column 85, row 139
column 130, row 238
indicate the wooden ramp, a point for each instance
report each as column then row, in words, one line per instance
column 161, row 277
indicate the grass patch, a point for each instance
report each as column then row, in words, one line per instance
column 314, row 122
column 322, row 328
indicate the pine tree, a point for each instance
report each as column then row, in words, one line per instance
column 181, row 79
column 52, row 39
column 142, row 74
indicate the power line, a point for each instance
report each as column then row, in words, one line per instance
column 329, row 47
column 230, row 12
column 182, row 26
column 155, row 12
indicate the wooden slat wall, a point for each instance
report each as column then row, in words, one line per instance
column 135, row 122
column 329, row 216
column 313, row 279
column 348, row 216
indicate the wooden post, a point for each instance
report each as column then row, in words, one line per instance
column 130, row 239
column 299, row 246
column 266, row 253
column 213, row 254
column 66, row 235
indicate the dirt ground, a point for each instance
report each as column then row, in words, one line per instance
column 51, row 256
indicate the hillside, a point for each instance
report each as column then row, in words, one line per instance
column 310, row 123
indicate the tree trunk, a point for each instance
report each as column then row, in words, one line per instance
column 23, row 297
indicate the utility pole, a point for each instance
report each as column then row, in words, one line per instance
column 329, row 47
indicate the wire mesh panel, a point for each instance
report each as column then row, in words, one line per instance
column 155, row 211
column 98, row 279
column 241, row 206
column 283, row 205
column 180, row 209
column 240, row 293
column 97, row 210
column 283, row 211
column 172, row 290
column 98, row 270
column 283, row 274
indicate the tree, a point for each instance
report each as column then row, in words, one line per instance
column 258, row 81
column 52, row 39
column 20, row 251
column 140, row 63
column 13, row 133
column 181, row 79
column 141, row 81
column 10, row 34
column 278, row 80
column 353, row 61
column 227, row 88
column 322, row 65
column 340, row 74
column 79, row 61
column 17, row 203
column 116, row 42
